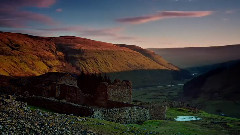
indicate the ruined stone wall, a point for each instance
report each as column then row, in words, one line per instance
column 157, row 110
column 111, row 101
column 125, row 115
column 120, row 91
column 70, row 94
column 68, row 80
column 58, row 105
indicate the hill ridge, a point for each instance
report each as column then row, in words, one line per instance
column 199, row 56
column 24, row 55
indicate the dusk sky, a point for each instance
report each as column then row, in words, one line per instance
column 146, row 23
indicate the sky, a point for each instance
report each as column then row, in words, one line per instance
column 146, row 23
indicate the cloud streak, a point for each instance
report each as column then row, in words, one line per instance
column 164, row 15
column 20, row 19
column 12, row 15
column 230, row 12
column 59, row 10
column 84, row 31
column 27, row 3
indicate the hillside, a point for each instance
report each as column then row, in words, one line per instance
column 199, row 56
column 25, row 55
column 218, row 90
column 150, row 54
column 195, row 71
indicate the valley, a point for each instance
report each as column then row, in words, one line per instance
column 79, row 78
column 119, row 67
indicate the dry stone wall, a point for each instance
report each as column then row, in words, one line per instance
column 125, row 115
column 120, row 91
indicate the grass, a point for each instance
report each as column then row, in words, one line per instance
column 165, row 127
column 227, row 107
column 227, row 125
column 168, row 127
column 157, row 93
column 209, row 125
column 40, row 108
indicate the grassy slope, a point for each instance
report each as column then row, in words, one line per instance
column 165, row 127
column 221, row 124
column 22, row 55
column 95, row 56
column 150, row 54
column 111, row 61
column 217, row 90
column 143, row 78
column 157, row 93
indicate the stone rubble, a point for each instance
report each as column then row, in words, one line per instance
column 16, row 118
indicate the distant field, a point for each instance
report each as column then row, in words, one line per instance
column 158, row 93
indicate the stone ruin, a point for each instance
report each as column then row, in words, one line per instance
column 120, row 91
column 66, row 93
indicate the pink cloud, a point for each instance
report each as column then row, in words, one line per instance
column 230, row 12
column 20, row 19
column 27, row 3
column 59, row 10
column 45, row 3
column 102, row 32
column 87, row 31
column 12, row 15
column 164, row 15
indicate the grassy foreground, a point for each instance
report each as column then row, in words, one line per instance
column 209, row 125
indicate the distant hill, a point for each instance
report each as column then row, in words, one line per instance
column 199, row 56
column 24, row 55
column 27, row 55
column 218, row 89
column 195, row 71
